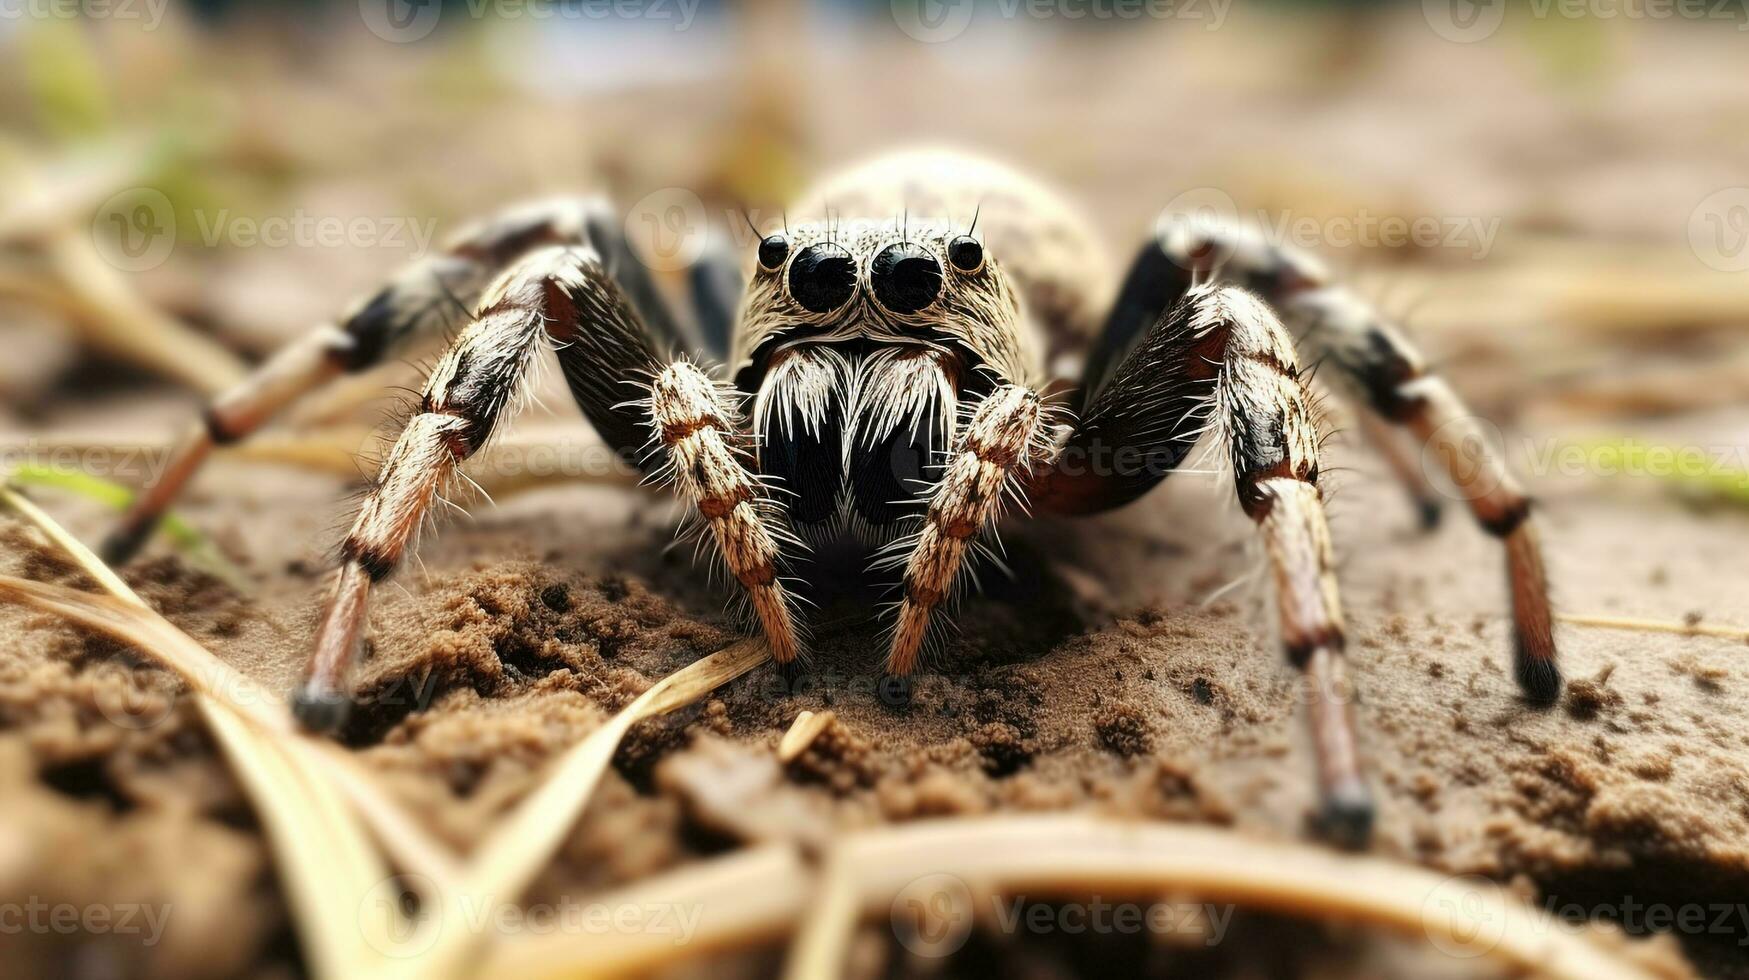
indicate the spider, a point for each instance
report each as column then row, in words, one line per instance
column 899, row 372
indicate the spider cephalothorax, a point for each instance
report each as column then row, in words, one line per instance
column 942, row 337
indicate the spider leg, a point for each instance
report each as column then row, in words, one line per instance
column 1375, row 366
column 566, row 296
column 1378, row 366
column 717, row 285
column 994, row 450
column 700, row 430
column 430, row 297
column 1220, row 359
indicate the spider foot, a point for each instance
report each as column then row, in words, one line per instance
column 792, row 674
column 1539, row 677
column 1345, row 818
column 1428, row 512
column 319, row 709
column 894, row 691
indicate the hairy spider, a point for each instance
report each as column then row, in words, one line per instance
column 895, row 373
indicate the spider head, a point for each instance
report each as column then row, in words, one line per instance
column 901, row 280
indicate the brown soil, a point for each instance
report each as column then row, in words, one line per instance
column 1095, row 678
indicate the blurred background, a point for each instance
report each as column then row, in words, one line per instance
column 1562, row 179
column 1553, row 196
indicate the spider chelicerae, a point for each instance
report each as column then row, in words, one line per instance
column 943, row 342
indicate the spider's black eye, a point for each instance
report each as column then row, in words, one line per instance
column 773, row 249
column 906, row 277
column 966, row 253
column 822, row 278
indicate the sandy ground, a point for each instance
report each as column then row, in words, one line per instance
column 1097, row 678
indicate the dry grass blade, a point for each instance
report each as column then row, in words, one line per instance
column 1655, row 626
column 329, row 867
column 66, row 192
column 326, row 860
column 750, row 896
column 807, row 727
column 1080, row 855
column 507, row 465
column 111, row 316
column 520, row 845
column 280, row 766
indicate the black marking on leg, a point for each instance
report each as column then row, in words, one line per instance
column 397, row 310
column 215, row 427
column 374, row 563
column 1516, row 514
column 1299, row 649
column 1429, row 512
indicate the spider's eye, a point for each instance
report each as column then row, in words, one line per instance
column 966, row 253
column 773, row 249
column 822, row 278
column 906, row 278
